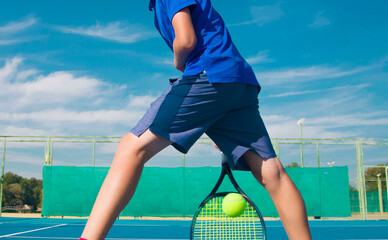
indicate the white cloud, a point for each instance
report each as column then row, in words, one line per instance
column 4, row 42
column 295, row 93
column 24, row 75
column 320, row 21
column 350, row 121
column 59, row 102
column 23, row 131
column 317, row 127
column 57, row 87
column 266, row 14
column 10, row 33
column 281, row 125
column 338, row 103
column 162, row 61
column 107, row 148
column 338, row 113
column 54, row 88
column 116, row 31
column 262, row 15
column 81, row 117
column 304, row 74
column 15, row 27
column 9, row 69
column 141, row 101
column 261, row 57
column 24, row 157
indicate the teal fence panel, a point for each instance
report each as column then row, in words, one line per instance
column 177, row 192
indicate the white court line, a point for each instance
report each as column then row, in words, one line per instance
column 354, row 226
column 343, row 226
column 64, row 238
column 35, row 230
column 115, row 225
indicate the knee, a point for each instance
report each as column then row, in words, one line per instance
column 270, row 174
column 141, row 148
column 128, row 149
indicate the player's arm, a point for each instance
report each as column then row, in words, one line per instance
column 185, row 38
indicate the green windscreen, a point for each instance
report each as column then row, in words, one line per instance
column 372, row 199
column 177, row 192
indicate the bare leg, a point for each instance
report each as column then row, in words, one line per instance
column 121, row 181
column 286, row 197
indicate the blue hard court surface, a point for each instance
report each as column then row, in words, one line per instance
column 52, row 228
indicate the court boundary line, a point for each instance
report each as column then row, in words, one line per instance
column 65, row 238
column 34, row 230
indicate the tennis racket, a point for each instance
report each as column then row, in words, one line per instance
column 210, row 222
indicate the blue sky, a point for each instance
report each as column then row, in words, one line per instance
column 65, row 65
column 93, row 67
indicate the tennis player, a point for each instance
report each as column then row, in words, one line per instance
column 217, row 95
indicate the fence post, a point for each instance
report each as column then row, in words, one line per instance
column 2, row 176
column 319, row 164
column 386, row 180
column 274, row 144
column 94, row 151
column 361, row 181
column 50, row 151
column 301, row 145
column 380, row 194
column 47, row 152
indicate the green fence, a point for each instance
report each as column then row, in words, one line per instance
column 177, row 192
column 364, row 159
column 372, row 199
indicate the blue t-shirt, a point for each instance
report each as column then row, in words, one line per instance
column 215, row 52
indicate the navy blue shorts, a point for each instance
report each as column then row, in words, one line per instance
column 227, row 112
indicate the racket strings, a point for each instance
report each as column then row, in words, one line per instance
column 213, row 223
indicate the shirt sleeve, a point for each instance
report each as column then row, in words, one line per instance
column 174, row 6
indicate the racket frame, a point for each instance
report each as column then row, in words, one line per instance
column 226, row 171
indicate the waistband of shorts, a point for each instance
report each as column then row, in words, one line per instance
column 201, row 76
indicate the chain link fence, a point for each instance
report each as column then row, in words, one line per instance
column 365, row 159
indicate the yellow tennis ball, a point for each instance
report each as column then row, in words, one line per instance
column 233, row 204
